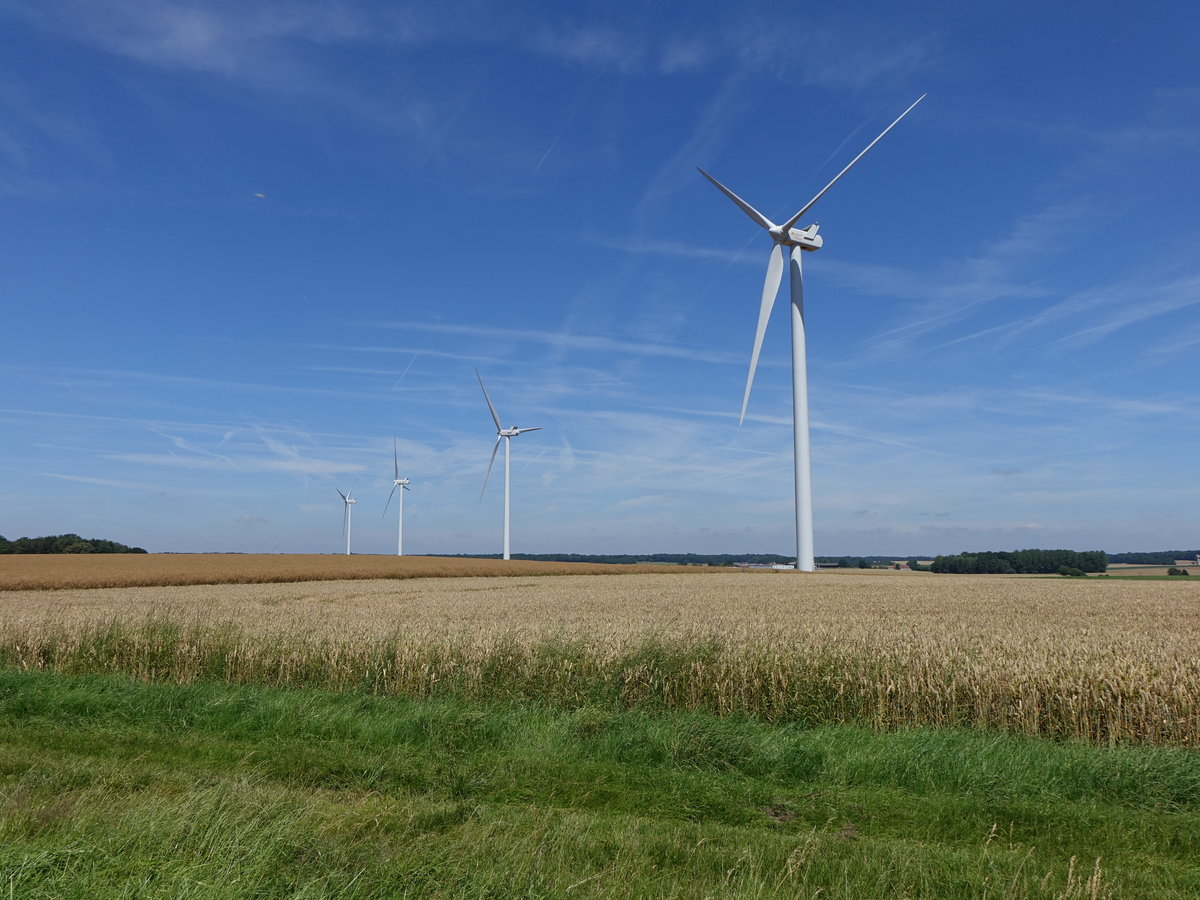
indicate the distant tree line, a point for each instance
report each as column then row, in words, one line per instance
column 1153, row 558
column 681, row 559
column 64, row 543
column 856, row 562
column 1021, row 562
column 686, row 559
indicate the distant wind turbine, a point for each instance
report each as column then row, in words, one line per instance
column 401, row 484
column 349, row 500
column 505, row 434
column 797, row 240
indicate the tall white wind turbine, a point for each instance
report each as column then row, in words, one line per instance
column 505, row 434
column 401, row 484
column 796, row 240
column 349, row 500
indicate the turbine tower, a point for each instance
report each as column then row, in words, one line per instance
column 402, row 484
column 505, row 434
column 346, row 519
column 797, row 240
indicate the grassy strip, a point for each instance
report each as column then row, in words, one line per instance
column 110, row 787
column 831, row 684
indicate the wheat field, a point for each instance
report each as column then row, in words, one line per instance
column 92, row 570
column 1104, row 661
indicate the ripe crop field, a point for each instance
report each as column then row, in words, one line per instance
column 689, row 733
column 1104, row 661
column 114, row 570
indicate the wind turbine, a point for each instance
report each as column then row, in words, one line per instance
column 797, row 240
column 346, row 520
column 402, row 484
column 505, row 434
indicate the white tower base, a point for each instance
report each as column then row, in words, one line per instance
column 804, row 513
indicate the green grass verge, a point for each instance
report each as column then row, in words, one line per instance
column 115, row 788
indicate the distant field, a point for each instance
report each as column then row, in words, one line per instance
column 90, row 570
column 1128, row 570
column 1098, row 660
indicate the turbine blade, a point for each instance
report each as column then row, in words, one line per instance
column 523, row 430
column 345, row 519
column 389, row 501
column 770, row 289
column 759, row 219
column 495, row 418
column 340, row 494
column 406, row 487
column 395, row 460
column 495, row 447
column 807, row 206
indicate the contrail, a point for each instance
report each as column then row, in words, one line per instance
column 405, row 372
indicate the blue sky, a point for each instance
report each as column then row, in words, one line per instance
column 246, row 244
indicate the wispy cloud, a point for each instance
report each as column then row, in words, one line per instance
column 1104, row 175
column 295, row 465
column 677, row 171
column 963, row 289
column 590, row 44
column 1124, row 306
column 1112, row 405
column 104, row 482
column 224, row 38
column 1184, row 339
column 110, row 377
column 570, row 341
column 830, row 57
column 674, row 248
column 388, row 348
column 681, row 54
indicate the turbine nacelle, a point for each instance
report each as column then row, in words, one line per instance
column 805, row 238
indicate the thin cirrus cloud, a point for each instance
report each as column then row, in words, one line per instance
column 220, row 38
column 569, row 341
column 1000, row 271
column 241, row 464
column 103, row 482
column 590, row 45
column 1112, row 308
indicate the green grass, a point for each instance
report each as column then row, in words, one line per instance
column 115, row 788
